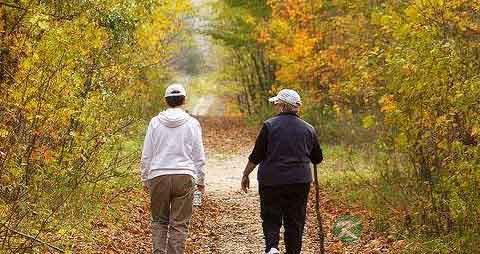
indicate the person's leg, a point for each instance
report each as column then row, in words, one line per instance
column 160, row 209
column 181, row 211
column 270, row 212
column 295, row 199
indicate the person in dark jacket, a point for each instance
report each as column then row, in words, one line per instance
column 284, row 150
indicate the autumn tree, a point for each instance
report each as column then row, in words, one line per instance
column 75, row 77
column 402, row 75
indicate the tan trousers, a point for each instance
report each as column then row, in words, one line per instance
column 171, row 198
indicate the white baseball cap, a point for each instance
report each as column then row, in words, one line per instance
column 287, row 95
column 175, row 90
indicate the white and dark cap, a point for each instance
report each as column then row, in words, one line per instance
column 289, row 96
column 175, row 90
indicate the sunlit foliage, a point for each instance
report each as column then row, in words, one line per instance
column 75, row 77
column 403, row 75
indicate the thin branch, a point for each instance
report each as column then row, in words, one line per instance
column 18, row 7
column 33, row 238
column 13, row 6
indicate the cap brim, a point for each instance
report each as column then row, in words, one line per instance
column 273, row 99
column 176, row 93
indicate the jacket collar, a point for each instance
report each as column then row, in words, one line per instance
column 288, row 113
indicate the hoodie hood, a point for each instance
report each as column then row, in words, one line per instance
column 173, row 117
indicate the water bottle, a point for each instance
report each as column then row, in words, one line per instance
column 197, row 198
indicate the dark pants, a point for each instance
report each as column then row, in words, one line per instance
column 285, row 203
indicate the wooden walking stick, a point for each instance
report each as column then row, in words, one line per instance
column 317, row 208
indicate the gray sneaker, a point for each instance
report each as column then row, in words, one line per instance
column 273, row 251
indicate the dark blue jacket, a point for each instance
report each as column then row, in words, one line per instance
column 284, row 149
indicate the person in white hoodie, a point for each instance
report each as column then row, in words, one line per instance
column 171, row 170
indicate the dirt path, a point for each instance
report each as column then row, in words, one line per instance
column 239, row 222
column 229, row 222
column 203, row 105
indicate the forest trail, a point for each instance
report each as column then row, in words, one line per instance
column 239, row 219
column 80, row 81
column 202, row 107
column 229, row 220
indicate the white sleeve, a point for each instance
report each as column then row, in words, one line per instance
column 147, row 154
column 198, row 153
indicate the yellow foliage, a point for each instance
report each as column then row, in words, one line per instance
column 387, row 103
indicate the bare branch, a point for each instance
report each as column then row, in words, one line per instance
column 33, row 238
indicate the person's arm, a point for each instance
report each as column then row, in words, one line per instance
column 199, row 156
column 245, row 179
column 260, row 149
column 147, row 154
column 316, row 155
column 258, row 155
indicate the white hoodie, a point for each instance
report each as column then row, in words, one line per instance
column 173, row 145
